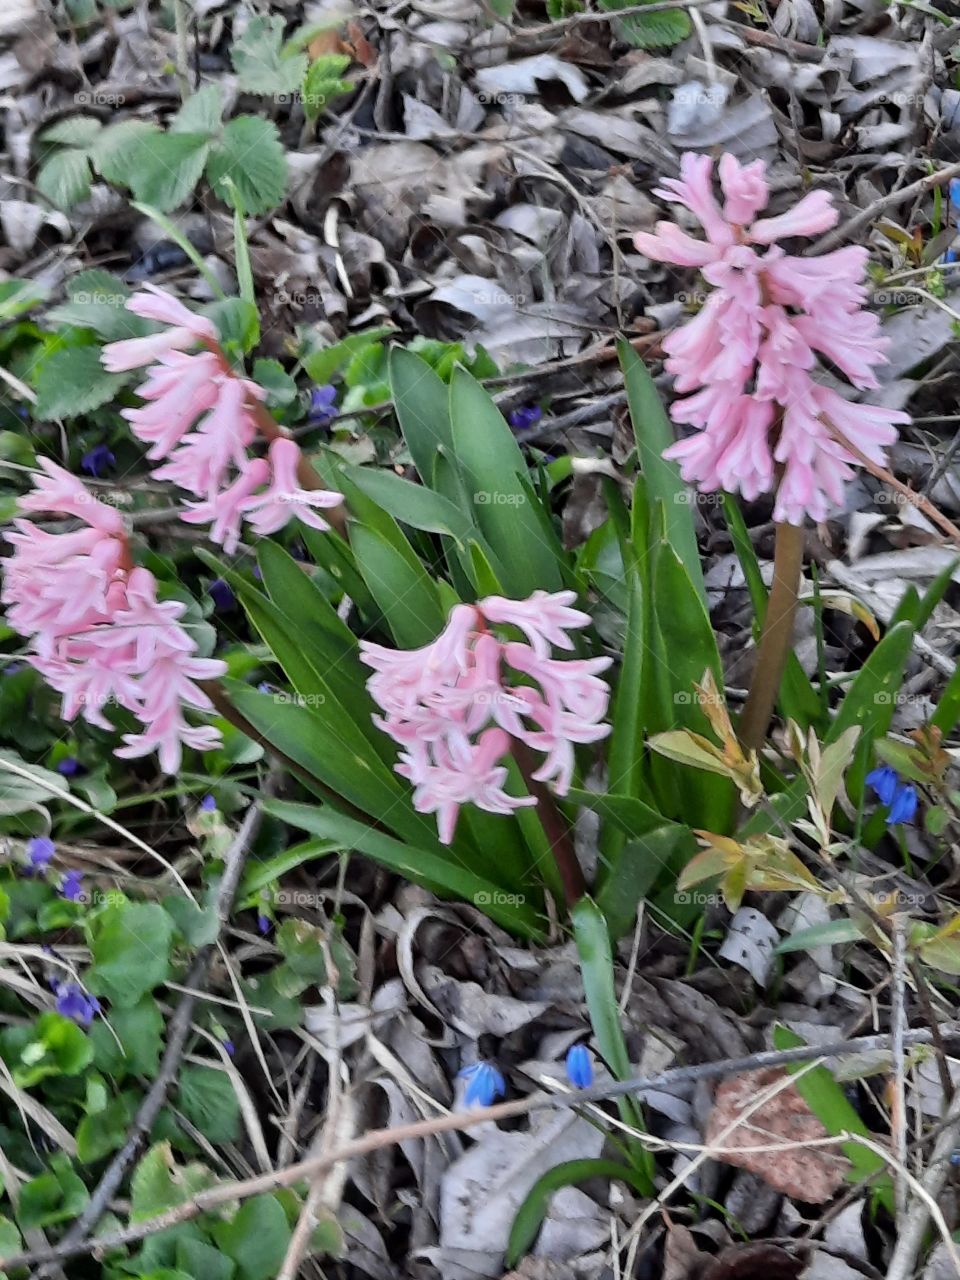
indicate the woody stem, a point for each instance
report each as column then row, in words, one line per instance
column 555, row 827
column 775, row 638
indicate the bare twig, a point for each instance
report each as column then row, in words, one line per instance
column 864, row 217
column 178, row 1030
column 914, row 1225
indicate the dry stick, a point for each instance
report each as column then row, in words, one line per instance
column 775, row 638
column 914, row 1225
column 377, row 1139
column 915, row 499
column 177, row 1031
column 862, row 219
column 898, row 1106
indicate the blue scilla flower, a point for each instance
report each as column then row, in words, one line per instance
column 579, row 1066
column 949, row 257
column 884, row 782
column 903, row 806
column 954, row 190
column 209, row 804
column 484, row 1084
column 69, row 767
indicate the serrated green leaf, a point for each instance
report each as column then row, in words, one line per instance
column 131, row 945
column 115, row 150
column 65, row 178
column 166, row 167
column 201, row 113
column 259, row 60
column 323, row 83
column 98, row 302
column 72, row 382
column 650, row 30
column 251, row 154
column 75, row 131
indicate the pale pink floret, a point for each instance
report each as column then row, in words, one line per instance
column 98, row 633
column 747, row 364
column 459, row 772
column 199, row 421
column 453, row 708
column 273, row 509
column 224, row 511
column 154, row 303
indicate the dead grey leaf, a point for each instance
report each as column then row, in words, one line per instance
column 522, row 75
column 483, row 1190
column 749, row 943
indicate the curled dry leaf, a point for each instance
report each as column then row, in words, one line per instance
column 810, row 1174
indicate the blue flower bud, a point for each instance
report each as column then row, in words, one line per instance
column 579, row 1066
column 884, row 783
column 903, row 807
column 484, row 1084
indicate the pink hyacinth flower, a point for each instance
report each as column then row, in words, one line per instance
column 285, row 500
column 453, row 709
column 199, row 421
column 224, row 511
column 747, row 364
column 154, row 303
column 97, row 632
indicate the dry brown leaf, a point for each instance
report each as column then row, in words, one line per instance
column 682, row 1259
column 759, row 1261
column 811, row 1174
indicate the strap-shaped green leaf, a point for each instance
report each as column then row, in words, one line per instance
column 493, row 467
column 442, row 873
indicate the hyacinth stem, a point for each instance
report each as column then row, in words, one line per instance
column 555, row 827
column 775, row 638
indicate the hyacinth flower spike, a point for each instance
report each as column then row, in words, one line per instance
column 456, row 713
column 200, row 418
column 748, row 375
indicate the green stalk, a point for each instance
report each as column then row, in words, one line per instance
column 554, row 826
column 776, row 638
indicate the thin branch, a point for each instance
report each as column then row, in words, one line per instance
column 377, row 1139
column 178, row 1030
column 854, row 225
